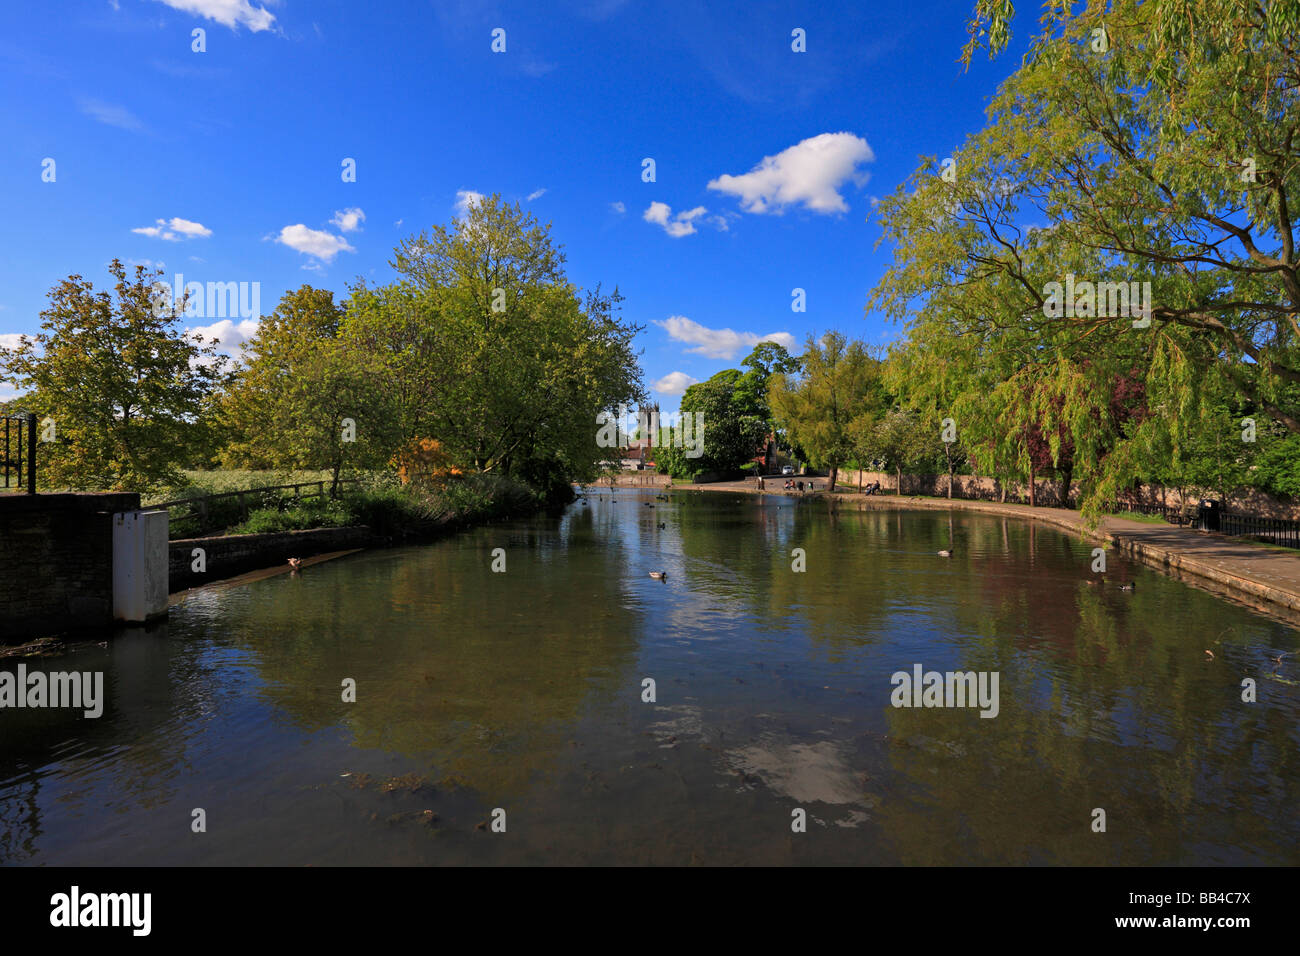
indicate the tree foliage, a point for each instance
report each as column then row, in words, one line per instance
column 124, row 388
column 839, row 381
column 1164, row 155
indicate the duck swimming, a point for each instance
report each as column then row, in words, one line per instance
column 659, row 575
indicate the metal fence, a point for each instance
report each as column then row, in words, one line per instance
column 1283, row 532
column 1277, row 531
column 19, row 461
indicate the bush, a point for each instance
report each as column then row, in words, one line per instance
column 488, row 496
column 298, row 515
column 394, row 512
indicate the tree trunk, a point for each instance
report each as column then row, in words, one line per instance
column 1033, row 498
column 835, row 471
column 899, row 472
column 1066, row 480
column 334, row 484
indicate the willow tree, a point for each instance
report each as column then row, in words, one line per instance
column 1138, row 162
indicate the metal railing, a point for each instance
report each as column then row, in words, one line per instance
column 1279, row 531
column 1284, row 532
column 19, row 459
column 248, row 499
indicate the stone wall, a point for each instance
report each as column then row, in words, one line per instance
column 228, row 555
column 56, row 562
column 1246, row 501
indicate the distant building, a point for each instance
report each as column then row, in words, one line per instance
column 639, row 453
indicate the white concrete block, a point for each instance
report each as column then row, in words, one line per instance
column 140, row 566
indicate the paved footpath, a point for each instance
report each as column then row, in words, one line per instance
column 1264, row 577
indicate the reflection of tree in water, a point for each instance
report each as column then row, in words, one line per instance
column 151, row 683
column 482, row 674
column 739, row 559
column 1107, row 700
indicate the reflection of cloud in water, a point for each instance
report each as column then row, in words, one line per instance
column 809, row 773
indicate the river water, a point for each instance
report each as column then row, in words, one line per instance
column 515, row 698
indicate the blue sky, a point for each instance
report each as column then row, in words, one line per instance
column 225, row 165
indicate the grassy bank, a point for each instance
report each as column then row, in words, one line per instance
column 376, row 501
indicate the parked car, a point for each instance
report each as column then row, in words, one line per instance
column 787, row 469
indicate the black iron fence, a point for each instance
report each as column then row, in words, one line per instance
column 1277, row 531
column 19, row 461
column 1210, row 516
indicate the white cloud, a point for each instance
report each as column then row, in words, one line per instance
column 537, row 194
column 464, row 199
column 9, row 340
column 110, row 115
column 674, row 383
column 348, row 220
column 229, row 13
column 618, row 207
column 398, row 224
column 718, row 343
column 313, row 242
column 661, row 214
column 175, row 229
column 809, row 173
column 231, row 334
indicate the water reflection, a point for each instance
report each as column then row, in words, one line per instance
column 523, row 690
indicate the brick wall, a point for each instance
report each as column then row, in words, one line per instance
column 56, row 562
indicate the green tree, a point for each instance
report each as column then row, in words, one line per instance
column 732, row 426
column 304, row 397
column 840, row 381
column 1134, row 166
column 899, row 439
column 124, row 385
column 526, row 360
column 767, row 360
